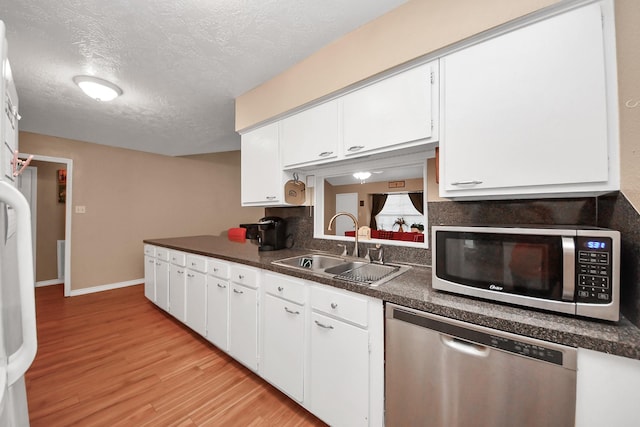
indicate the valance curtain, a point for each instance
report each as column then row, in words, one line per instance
column 377, row 203
column 417, row 200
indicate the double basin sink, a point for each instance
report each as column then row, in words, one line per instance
column 352, row 270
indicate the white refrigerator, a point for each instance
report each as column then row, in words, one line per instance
column 17, row 303
column 18, row 342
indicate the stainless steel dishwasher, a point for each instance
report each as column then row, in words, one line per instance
column 447, row 373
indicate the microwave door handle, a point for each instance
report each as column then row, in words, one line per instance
column 568, row 268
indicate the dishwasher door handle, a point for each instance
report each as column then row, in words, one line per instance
column 465, row 347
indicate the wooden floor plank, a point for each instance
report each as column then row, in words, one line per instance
column 114, row 359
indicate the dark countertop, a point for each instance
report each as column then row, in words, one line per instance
column 413, row 289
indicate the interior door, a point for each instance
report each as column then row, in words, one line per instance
column 346, row 202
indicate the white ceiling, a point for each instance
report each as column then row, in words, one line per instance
column 180, row 63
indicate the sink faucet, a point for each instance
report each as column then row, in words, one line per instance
column 355, row 223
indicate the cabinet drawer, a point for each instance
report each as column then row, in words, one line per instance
column 284, row 287
column 162, row 253
column 218, row 268
column 149, row 250
column 344, row 306
column 197, row 263
column 178, row 258
column 244, row 275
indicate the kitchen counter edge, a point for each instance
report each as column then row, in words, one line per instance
column 413, row 289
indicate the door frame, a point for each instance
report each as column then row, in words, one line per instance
column 67, row 215
column 33, row 203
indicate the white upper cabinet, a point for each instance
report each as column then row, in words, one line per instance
column 262, row 182
column 393, row 113
column 531, row 112
column 310, row 136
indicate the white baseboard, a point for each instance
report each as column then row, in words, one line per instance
column 49, row 282
column 108, row 287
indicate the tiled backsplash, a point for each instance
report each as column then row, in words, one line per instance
column 611, row 212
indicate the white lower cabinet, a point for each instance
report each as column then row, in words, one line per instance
column 607, row 388
column 283, row 334
column 218, row 312
column 162, row 278
column 177, row 290
column 345, row 352
column 243, row 315
column 339, row 372
column 196, row 294
column 150, row 278
column 243, row 325
column 320, row 345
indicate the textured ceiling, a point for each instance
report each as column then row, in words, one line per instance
column 180, row 63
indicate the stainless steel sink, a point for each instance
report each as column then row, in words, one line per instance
column 347, row 269
column 344, row 267
column 314, row 262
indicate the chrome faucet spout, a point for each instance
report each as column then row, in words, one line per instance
column 355, row 223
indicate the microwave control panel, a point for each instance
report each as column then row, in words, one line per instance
column 594, row 270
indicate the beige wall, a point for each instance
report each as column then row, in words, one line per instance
column 628, row 40
column 131, row 195
column 50, row 218
column 420, row 27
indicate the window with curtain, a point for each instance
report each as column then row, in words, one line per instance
column 400, row 206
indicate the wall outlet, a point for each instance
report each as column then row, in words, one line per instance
column 81, row 209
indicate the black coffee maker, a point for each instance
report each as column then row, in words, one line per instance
column 270, row 232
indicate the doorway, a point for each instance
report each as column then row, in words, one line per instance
column 346, row 202
column 61, row 200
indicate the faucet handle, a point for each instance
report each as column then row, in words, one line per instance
column 344, row 249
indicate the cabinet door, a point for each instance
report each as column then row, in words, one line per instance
column 606, row 381
column 527, row 108
column 243, row 325
column 177, row 285
column 397, row 110
column 196, row 302
column 339, row 372
column 217, row 311
column 162, row 284
column 261, row 176
column 150, row 278
column 310, row 136
column 283, row 351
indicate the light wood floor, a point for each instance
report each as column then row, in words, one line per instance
column 114, row 359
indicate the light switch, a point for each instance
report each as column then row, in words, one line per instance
column 81, row 209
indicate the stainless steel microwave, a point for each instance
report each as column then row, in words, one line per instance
column 572, row 270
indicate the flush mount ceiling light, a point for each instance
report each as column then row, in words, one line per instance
column 362, row 176
column 98, row 89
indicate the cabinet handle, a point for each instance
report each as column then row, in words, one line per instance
column 157, row 263
column 151, row 261
column 280, row 288
column 473, row 182
column 291, row 311
column 193, row 264
column 325, row 153
column 238, row 292
column 215, row 270
column 180, row 272
column 334, row 305
column 271, row 197
column 190, row 275
column 221, row 286
column 240, row 276
column 323, row 326
column 355, row 148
